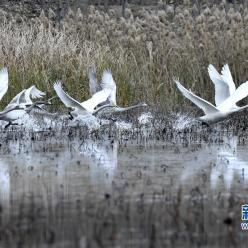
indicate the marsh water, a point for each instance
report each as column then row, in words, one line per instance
column 128, row 192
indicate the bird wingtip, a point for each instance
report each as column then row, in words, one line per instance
column 4, row 70
column 210, row 67
column 92, row 69
column 176, row 80
column 57, row 84
column 107, row 71
column 36, row 93
column 225, row 68
column 225, row 71
column 212, row 70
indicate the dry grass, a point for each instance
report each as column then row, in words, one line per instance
column 145, row 50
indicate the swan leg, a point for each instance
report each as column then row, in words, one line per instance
column 205, row 124
column 70, row 116
column 210, row 128
column 7, row 125
column 113, row 119
column 10, row 124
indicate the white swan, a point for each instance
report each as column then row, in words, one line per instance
column 225, row 99
column 83, row 109
column 95, row 87
column 20, row 104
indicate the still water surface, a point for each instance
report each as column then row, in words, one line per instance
column 111, row 193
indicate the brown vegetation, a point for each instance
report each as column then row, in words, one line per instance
column 145, row 50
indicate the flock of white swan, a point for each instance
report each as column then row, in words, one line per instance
column 103, row 95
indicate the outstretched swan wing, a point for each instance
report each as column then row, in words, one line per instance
column 239, row 94
column 227, row 77
column 94, row 85
column 66, row 99
column 107, row 80
column 222, row 91
column 206, row 106
column 4, row 79
column 16, row 99
column 33, row 92
column 109, row 83
column 96, row 99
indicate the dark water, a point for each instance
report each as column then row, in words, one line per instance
column 127, row 193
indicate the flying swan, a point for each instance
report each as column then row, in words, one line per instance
column 226, row 96
column 21, row 103
column 89, row 107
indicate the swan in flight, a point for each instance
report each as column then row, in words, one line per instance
column 21, row 103
column 226, row 96
column 96, row 87
column 24, row 97
column 87, row 108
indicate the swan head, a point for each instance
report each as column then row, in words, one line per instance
column 202, row 121
column 72, row 111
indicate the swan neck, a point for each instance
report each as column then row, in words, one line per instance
column 102, row 107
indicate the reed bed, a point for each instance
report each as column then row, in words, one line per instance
column 145, row 50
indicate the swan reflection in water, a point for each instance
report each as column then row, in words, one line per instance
column 229, row 165
column 4, row 186
column 102, row 158
column 224, row 162
column 56, row 174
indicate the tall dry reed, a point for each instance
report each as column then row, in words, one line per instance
column 144, row 51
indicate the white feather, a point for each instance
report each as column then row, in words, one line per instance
column 107, row 92
column 239, row 94
column 222, row 91
column 94, row 86
column 109, row 83
column 107, row 80
column 96, row 99
column 24, row 97
column 206, row 106
column 16, row 99
column 68, row 100
column 227, row 77
column 4, row 80
column 36, row 93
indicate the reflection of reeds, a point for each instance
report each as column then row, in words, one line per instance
column 52, row 203
column 118, row 218
column 144, row 50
